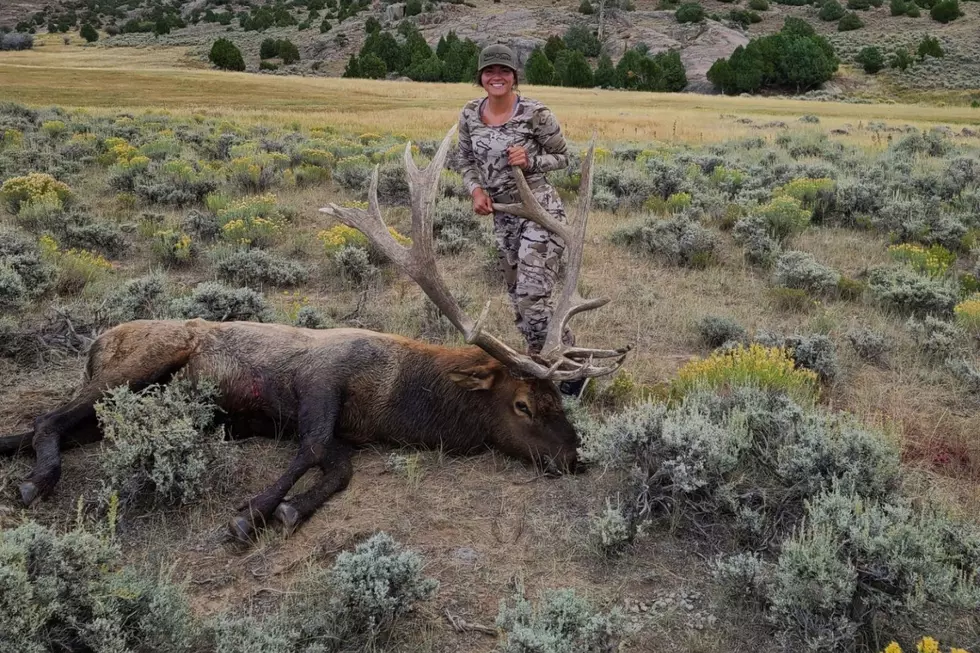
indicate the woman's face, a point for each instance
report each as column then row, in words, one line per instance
column 497, row 80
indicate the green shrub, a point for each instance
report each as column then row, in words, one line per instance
column 759, row 5
column 905, row 291
column 784, row 216
column 225, row 55
column 849, row 22
column 689, row 12
column 69, row 593
column 901, row 59
column 213, row 301
column 870, row 59
column 561, row 622
column 88, row 33
column 859, row 5
column 581, row 38
column 869, row 345
column 929, row 47
column 755, row 235
column 354, row 264
column 946, row 11
column 257, row 267
column 585, row 7
column 934, row 337
column 831, row 10
column 815, row 353
column 101, row 237
column 144, row 298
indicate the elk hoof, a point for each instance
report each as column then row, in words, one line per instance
column 29, row 493
column 288, row 516
column 241, row 529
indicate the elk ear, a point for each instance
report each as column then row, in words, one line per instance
column 474, row 377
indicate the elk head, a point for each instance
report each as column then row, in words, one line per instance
column 525, row 394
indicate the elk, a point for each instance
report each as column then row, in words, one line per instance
column 340, row 388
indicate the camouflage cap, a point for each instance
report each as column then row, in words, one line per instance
column 497, row 55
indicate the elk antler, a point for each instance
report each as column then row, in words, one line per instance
column 419, row 263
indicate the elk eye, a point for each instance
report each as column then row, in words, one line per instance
column 521, row 406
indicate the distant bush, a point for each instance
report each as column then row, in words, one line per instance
column 88, row 33
column 849, row 22
column 906, row 291
column 715, row 331
column 679, row 241
column 143, row 298
column 226, row 55
column 870, row 59
column 869, row 345
column 935, row 337
column 689, row 12
column 581, row 38
column 281, row 48
column 257, row 267
column 831, row 10
column 213, row 301
column 929, row 47
column 69, row 592
column 16, row 41
column 946, row 11
column 802, row 271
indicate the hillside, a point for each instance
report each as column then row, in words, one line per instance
column 951, row 78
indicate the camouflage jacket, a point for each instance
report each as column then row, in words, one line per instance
column 483, row 148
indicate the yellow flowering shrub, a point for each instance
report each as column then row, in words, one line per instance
column 35, row 186
column 172, row 246
column 117, row 150
column 317, row 157
column 805, row 189
column 967, row 313
column 76, row 267
column 395, row 153
column 678, row 202
column 340, row 236
column 925, row 645
column 258, row 171
column 766, row 367
column 11, row 138
column 253, row 221
column 53, row 128
column 785, row 216
column 934, row 261
column 369, row 137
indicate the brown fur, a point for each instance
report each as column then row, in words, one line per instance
column 336, row 388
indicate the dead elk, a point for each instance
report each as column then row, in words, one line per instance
column 340, row 388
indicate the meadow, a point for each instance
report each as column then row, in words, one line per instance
column 789, row 455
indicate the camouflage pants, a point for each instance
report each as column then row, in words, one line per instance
column 531, row 260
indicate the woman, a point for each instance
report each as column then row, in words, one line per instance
column 496, row 132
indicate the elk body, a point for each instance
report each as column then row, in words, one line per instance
column 341, row 388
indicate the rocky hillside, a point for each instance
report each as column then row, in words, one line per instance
column 531, row 23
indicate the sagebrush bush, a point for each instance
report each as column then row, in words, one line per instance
column 801, row 270
column 309, row 317
column 611, row 531
column 257, row 267
column 813, row 352
column 354, row 264
column 69, row 593
column 715, row 330
column 904, row 290
column 161, row 446
column 102, row 237
column 27, row 275
column 760, row 247
column 677, row 240
column 561, row 622
column 456, row 227
column 214, row 301
column 869, row 345
column 937, row 338
column 143, row 298
column 347, row 607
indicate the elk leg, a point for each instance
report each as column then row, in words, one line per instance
column 336, row 469
column 317, row 417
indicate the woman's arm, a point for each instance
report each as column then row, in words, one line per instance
column 554, row 149
column 471, row 176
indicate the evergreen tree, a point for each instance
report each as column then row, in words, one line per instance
column 288, row 51
column 416, row 49
column 372, row 66
column 446, row 42
column 426, row 70
column 88, row 33
column 539, row 69
column 353, row 68
column 605, row 73
column 672, row 69
column 577, row 73
column 581, row 38
column 831, row 10
column 268, row 49
column 226, row 55
column 372, row 25
column 870, row 59
column 553, row 46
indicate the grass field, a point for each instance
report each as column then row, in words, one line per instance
column 485, row 523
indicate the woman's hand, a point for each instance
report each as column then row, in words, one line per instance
column 482, row 204
column 517, row 156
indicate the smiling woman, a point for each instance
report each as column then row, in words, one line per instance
column 496, row 134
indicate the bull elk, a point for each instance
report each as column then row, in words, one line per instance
column 340, row 388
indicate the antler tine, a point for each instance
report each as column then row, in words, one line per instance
column 530, row 208
column 371, row 223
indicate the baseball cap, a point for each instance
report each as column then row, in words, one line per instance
column 497, row 55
